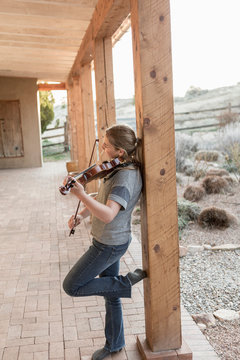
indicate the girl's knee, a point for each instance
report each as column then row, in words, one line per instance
column 69, row 288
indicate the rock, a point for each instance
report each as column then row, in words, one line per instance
column 228, row 315
column 226, row 247
column 182, row 251
column 206, row 319
column 202, row 327
column 195, row 248
column 207, row 247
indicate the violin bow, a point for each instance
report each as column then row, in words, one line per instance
column 72, row 231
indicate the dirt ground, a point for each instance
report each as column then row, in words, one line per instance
column 225, row 336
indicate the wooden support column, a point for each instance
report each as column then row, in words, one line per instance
column 155, row 124
column 79, row 123
column 71, row 119
column 88, row 119
column 104, row 85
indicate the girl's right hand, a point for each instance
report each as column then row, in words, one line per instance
column 73, row 223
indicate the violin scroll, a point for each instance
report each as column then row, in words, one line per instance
column 65, row 189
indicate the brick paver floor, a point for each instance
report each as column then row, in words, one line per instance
column 38, row 321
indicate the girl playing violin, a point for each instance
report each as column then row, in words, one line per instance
column 111, row 231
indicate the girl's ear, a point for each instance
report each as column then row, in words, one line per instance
column 121, row 152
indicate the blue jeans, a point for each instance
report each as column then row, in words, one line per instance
column 102, row 260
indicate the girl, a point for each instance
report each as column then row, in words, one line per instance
column 111, row 231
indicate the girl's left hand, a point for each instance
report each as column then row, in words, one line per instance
column 77, row 189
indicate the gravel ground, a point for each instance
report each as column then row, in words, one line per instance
column 210, row 280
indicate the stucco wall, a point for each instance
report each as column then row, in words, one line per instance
column 24, row 90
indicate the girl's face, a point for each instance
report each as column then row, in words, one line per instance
column 110, row 150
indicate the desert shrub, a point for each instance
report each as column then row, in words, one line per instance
column 193, row 193
column 213, row 217
column 229, row 179
column 229, row 143
column 184, row 146
column 214, row 184
column 227, row 117
column 228, row 137
column 194, row 91
column 187, row 211
column 200, row 169
column 207, row 155
column 218, row 172
column 178, row 178
column 188, row 167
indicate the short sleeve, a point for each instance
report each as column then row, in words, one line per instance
column 121, row 195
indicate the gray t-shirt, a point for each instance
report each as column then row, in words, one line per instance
column 124, row 187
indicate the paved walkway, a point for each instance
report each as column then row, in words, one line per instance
column 38, row 321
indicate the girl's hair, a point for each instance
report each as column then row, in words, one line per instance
column 122, row 136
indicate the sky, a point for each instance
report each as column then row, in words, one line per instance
column 205, row 50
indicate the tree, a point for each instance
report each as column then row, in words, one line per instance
column 46, row 109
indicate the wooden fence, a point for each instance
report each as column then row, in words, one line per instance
column 64, row 134
column 212, row 120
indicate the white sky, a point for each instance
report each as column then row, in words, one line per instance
column 205, row 47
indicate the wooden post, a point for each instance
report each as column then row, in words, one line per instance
column 104, row 85
column 155, row 124
column 79, row 123
column 71, row 119
column 88, row 119
column 66, row 146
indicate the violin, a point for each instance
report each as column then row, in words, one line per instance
column 96, row 171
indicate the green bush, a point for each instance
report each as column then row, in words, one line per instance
column 187, row 211
column 46, row 109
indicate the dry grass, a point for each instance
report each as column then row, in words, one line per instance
column 194, row 193
column 214, row 217
column 214, row 184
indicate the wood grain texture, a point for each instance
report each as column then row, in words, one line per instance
column 106, row 19
column 105, row 101
column 155, row 123
column 11, row 139
column 88, row 120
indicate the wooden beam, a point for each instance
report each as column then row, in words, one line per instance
column 88, row 119
column 106, row 19
column 50, row 87
column 121, row 30
column 155, row 124
column 104, row 86
column 79, row 123
column 72, row 121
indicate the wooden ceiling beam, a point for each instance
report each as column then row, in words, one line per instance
column 65, row 11
column 106, row 19
column 50, row 87
column 121, row 30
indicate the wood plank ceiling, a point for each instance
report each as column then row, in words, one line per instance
column 41, row 38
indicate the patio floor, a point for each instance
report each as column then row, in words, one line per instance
column 38, row 320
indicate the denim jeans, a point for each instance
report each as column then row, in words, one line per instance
column 102, row 260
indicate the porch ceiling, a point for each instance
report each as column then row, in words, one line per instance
column 41, row 38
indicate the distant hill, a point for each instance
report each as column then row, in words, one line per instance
column 195, row 99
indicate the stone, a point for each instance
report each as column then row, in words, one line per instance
column 205, row 318
column 202, row 327
column 226, row 247
column 195, row 248
column 207, row 247
column 182, row 251
column 226, row 315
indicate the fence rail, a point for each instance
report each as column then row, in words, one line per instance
column 214, row 118
column 63, row 134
